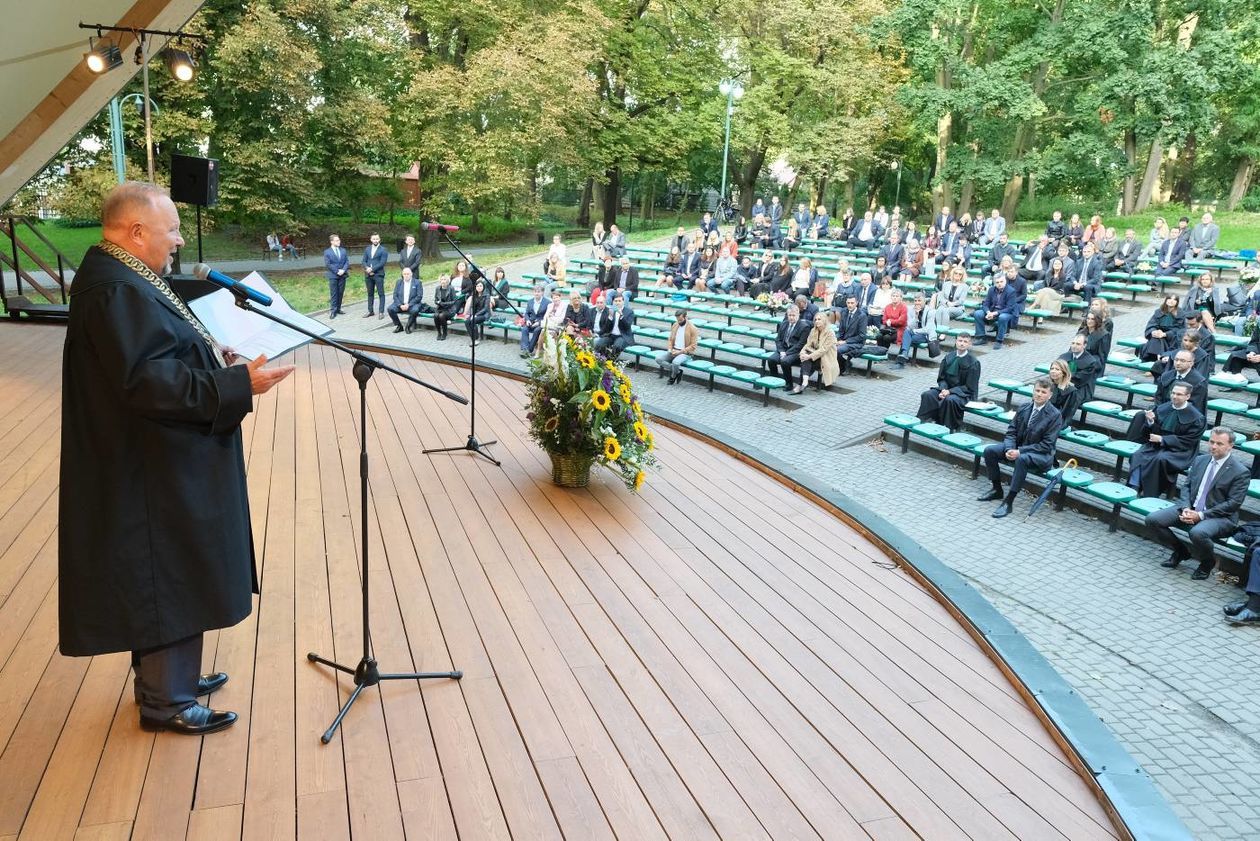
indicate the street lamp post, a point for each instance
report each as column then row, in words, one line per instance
column 732, row 90
column 116, row 131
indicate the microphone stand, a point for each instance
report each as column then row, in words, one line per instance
column 366, row 673
column 472, row 445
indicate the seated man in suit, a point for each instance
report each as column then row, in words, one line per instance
column 850, row 333
column 1056, row 228
column 615, row 243
column 1215, row 489
column 1037, row 256
column 625, row 279
column 893, row 251
column 957, row 382
column 955, row 248
column 1001, row 248
column 683, row 338
column 1170, row 255
column 1182, row 370
column 616, row 328
column 1169, row 435
column 708, row 225
column 1196, row 338
column 802, row 218
column 790, row 339
column 807, row 308
column 534, row 311
column 1000, row 308
column 1028, row 445
column 1203, row 237
column 1084, row 366
column 1127, row 253
column 1245, row 357
column 1087, row 281
column 688, row 268
column 994, row 227
column 942, row 221
column 866, row 233
column 408, row 294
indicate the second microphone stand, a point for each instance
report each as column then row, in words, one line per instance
column 473, row 445
column 366, row 672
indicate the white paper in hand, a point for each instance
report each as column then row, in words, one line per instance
column 253, row 335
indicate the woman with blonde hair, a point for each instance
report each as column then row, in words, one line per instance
column 1063, row 395
column 819, row 354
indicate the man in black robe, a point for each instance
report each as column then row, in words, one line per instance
column 1169, row 435
column 957, row 382
column 154, row 533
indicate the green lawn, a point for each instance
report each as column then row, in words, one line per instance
column 1238, row 230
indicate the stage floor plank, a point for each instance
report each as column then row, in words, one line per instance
column 717, row 657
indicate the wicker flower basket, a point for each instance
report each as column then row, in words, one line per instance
column 569, row 470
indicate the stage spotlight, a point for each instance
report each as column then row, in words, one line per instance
column 180, row 63
column 102, row 55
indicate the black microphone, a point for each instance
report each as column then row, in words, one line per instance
column 203, row 272
column 438, row 226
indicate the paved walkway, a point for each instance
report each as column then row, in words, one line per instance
column 1144, row 646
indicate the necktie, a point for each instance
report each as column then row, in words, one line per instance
column 1200, row 501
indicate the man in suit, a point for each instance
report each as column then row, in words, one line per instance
column 336, row 268
column 625, row 279
column 616, row 328
column 1215, row 489
column 374, row 258
column 408, row 294
column 615, row 244
column 688, row 267
column 1028, row 445
column 942, row 221
column 866, row 233
column 994, row 227
column 1169, row 435
column 1182, row 370
column 1088, row 278
column 1001, row 248
column 1245, row 357
column 893, row 251
column 409, row 256
column 1084, row 366
column 775, row 212
column 1127, row 253
column 1247, row 612
column 1000, row 308
column 802, row 218
column 790, row 339
column 683, row 338
column 1172, row 252
column 954, row 246
column 957, row 382
column 708, row 225
column 850, row 333
column 534, row 311
column 1206, row 343
column 1037, row 256
column 1203, row 237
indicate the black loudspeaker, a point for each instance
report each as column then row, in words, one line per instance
column 194, row 180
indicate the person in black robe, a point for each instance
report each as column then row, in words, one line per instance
column 957, row 382
column 1169, row 435
column 1163, row 329
column 154, row 533
column 1064, row 395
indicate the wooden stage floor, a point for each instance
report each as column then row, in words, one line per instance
column 717, row 658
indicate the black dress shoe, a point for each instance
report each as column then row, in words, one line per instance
column 1173, row 561
column 209, row 683
column 1002, row 510
column 409, row 329
column 1246, row 616
column 996, row 493
column 1201, row 573
column 1234, row 609
column 398, row 329
column 197, row 720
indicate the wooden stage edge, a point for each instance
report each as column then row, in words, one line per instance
column 1138, row 809
column 731, row 653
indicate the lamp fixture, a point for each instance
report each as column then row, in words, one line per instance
column 102, row 55
column 180, row 63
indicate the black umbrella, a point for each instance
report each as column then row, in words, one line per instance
column 1050, row 486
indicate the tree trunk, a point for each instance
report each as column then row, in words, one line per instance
column 1010, row 196
column 746, row 178
column 1183, row 185
column 965, row 198
column 1242, row 182
column 430, row 245
column 943, row 192
column 1130, row 183
column 584, row 204
column 612, row 196
column 1150, row 179
column 848, row 192
column 819, row 196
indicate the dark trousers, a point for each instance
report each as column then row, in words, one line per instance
column 1238, row 361
column 166, row 677
column 441, row 319
column 529, row 336
column 611, row 346
column 476, row 329
column 413, row 312
column 336, row 291
column 1001, row 323
column 948, row 412
column 1202, row 533
column 781, row 365
column 995, row 454
column 377, row 285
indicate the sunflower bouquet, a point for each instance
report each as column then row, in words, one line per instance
column 584, row 407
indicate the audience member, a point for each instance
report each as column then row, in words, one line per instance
column 579, row 317
column 1084, row 367
column 532, row 320
column 683, row 338
column 850, row 333
column 616, row 328
column 1245, row 357
column 615, row 243
column 867, row 232
column 1000, row 308
column 950, row 301
column 957, row 382
column 477, row 311
column 1182, row 370
column 1029, row 445
column 1037, row 256
column 408, row 295
column 1055, row 229
column 1162, row 329
column 598, row 235
column 789, row 340
column 1128, row 252
column 1172, row 252
column 1169, row 435
column 993, row 229
column 920, row 329
column 1217, row 301
column 942, row 220
column 1203, row 237
column 819, row 354
column 1215, row 488
column 1064, row 396
column 1097, row 339
column 999, row 250
column 444, row 306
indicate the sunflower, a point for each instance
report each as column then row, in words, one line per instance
column 624, row 391
column 586, row 359
column 600, row 400
column 638, row 410
column 640, row 431
column 651, row 442
column 639, row 477
column 552, row 423
column 612, row 449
